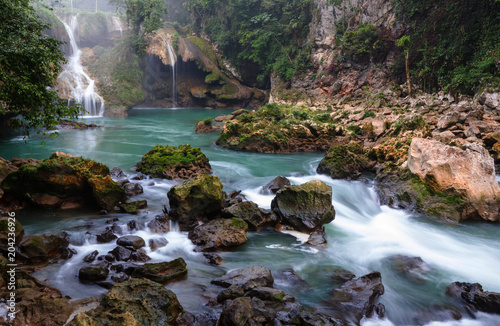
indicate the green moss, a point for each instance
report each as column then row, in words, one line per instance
column 205, row 47
column 164, row 157
column 238, row 223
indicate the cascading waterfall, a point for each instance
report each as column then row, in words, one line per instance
column 171, row 54
column 116, row 23
column 73, row 80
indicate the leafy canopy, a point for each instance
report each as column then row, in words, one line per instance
column 29, row 63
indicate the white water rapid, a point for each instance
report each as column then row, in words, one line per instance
column 171, row 54
column 74, row 83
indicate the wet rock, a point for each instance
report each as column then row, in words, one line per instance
column 117, row 173
column 230, row 293
column 194, row 199
column 119, row 278
column 106, row 236
column 162, row 272
column 170, row 162
column 41, row 248
column 133, row 189
column 121, row 254
column 317, row 238
column 467, row 174
column 109, row 258
column 345, row 162
column 266, row 293
column 134, row 302
column 123, row 182
column 255, row 217
column 219, row 234
column 239, row 312
column 290, row 279
column 91, row 257
column 94, row 273
column 357, row 298
column 133, row 207
column 132, row 225
column 411, row 267
column 112, row 220
column 160, row 224
column 246, row 278
column 213, row 259
column 131, row 241
column 473, row 294
column 435, row 313
column 276, row 184
column 139, row 256
column 311, row 317
column 340, row 276
column 157, row 243
column 305, row 207
column 37, row 303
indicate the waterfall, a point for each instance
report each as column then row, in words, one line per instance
column 117, row 25
column 73, row 80
column 172, row 56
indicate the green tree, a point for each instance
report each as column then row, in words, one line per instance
column 29, row 63
column 404, row 42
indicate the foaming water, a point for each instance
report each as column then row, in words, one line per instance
column 362, row 238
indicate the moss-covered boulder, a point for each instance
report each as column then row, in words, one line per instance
column 305, row 207
column 94, row 273
column 40, row 248
column 64, row 182
column 219, row 234
column 254, row 216
column 171, row 162
column 345, row 162
column 163, row 272
column 133, row 207
column 197, row 198
column 133, row 302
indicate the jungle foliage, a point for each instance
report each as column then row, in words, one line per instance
column 29, row 63
column 455, row 45
column 258, row 37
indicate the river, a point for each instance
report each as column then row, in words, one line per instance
column 361, row 239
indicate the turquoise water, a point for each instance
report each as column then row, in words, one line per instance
column 360, row 239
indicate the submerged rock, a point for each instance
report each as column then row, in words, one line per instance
column 306, row 207
column 467, row 174
column 162, row 272
column 411, row 267
column 170, row 162
column 219, row 234
column 157, row 243
column 160, row 224
column 133, row 207
column 197, row 198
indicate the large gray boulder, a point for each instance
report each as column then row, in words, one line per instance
column 305, row 207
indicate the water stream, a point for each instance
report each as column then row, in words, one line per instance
column 171, row 54
column 362, row 237
column 76, row 84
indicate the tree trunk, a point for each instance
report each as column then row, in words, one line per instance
column 408, row 79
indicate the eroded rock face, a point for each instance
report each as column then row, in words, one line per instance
column 197, row 198
column 468, row 174
column 219, row 234
column 306, row 207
